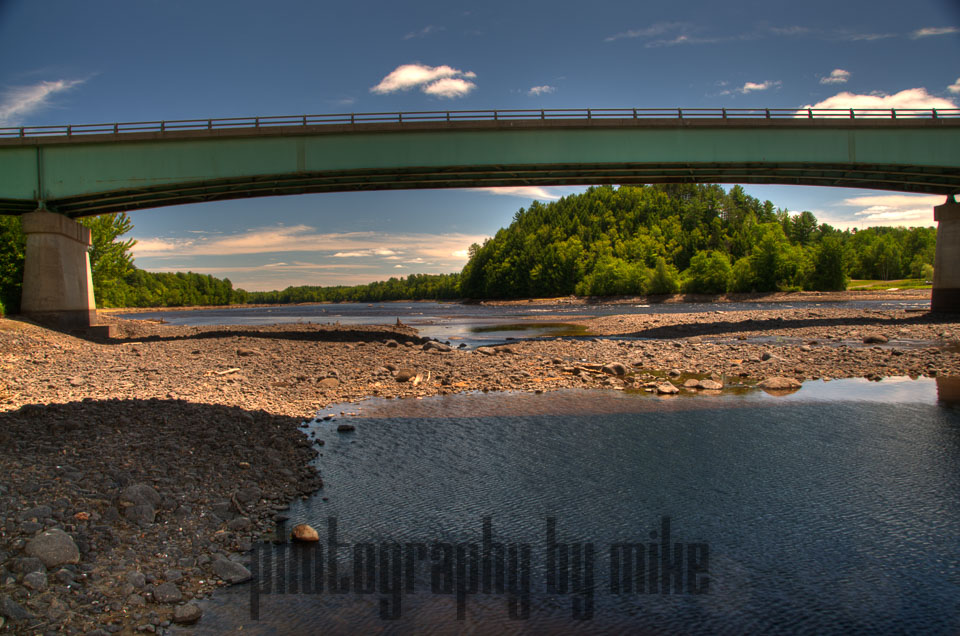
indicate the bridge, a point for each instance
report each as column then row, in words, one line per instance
column 52, row 174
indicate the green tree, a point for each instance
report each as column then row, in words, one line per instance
column 664, row 279
column 12, row 245
column 709, row 273
column 830, row 267
column 110, row 257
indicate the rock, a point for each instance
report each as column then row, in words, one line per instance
column 390, row 342
column 304, row 532
column 673, row 373
column 487, row 351
column 13, row 611
column 437, row 346
column 136, row 579
column 25, row 565
column 405, row 375
column 187, row 614
column 54, row 547
column 666, row 388
column 778, row 383
column 246, row 353
column 240, row 524
column 35, row 581
column 692, row 383
column 141, row 514
column 173, row 575
column 38, row 514
column 345, row 428
column 139, row 494
column 230, row 571
column 168, row 593
column 328, row 383
column 710, row 385
column 614, row 368
column 875, row 338
column 30, row 527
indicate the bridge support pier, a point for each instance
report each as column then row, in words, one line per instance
column 946, row 264
column 57, row 281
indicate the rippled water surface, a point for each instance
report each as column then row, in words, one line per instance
column 831, row 510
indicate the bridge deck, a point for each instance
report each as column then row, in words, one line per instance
column 83, row 170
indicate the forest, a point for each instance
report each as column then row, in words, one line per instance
column 691, row 238
column 607, row 241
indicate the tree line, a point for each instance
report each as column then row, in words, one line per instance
column 692, row 238
column 606, row 241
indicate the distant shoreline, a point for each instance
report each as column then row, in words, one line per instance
column 770, row 297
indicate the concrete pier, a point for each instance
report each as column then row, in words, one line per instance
column 946, row 265
column 57, row 282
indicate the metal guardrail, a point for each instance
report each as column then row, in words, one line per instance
column 480, row 115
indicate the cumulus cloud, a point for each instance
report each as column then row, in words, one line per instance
column 909, row 98
column 449, row 87
column 537, row 91
column 21, row 101
column 927, row 32
column 894, row 209
column 442, row 81
column 955, row 87
column 836, row 76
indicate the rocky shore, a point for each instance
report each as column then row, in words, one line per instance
column 136, row 471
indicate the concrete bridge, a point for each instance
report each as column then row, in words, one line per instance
column 52, row 174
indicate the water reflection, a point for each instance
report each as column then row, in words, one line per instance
column 948, row 390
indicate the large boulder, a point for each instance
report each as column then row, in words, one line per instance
column 54, row 547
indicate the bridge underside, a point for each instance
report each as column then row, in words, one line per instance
column 876, row 176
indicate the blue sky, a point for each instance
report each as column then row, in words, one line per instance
column 70, row 62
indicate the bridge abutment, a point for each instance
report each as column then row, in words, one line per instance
column 57, row 281
column 946, row 265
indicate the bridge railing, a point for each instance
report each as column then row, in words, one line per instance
column 228, row 123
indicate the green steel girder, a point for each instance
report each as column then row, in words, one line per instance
column 97, row 174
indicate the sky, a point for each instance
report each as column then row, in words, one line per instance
column 71, row 62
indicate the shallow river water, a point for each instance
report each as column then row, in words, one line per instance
column 478, row 324
column 831, row 510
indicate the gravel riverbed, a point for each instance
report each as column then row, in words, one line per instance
column 136, row 472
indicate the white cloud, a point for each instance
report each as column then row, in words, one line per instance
column 955, row 87
column 443, row 81
column 20, row 102
column 537, row 91
column 837, row 76
column 909, row 98
column 449, row 87
column 527, row 192
column 650, row 31
column 894, row 209
column 367, row 253
column 752, row 87
column 927, row 32
column 427, row 30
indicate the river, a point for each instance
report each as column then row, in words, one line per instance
column 831, row 510
column 478, row 324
